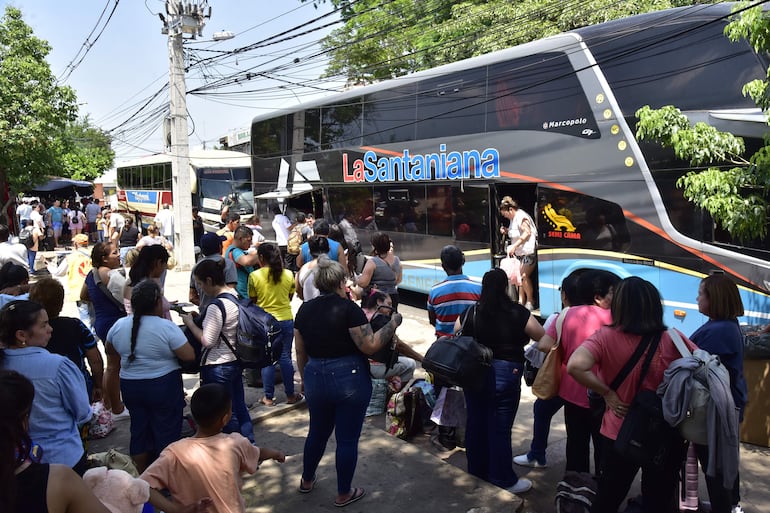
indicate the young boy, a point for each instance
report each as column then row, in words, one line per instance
column 206, row 469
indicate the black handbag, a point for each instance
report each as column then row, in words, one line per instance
column 459, row 359
column 645, row 436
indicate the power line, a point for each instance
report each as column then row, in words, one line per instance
column 88, row 44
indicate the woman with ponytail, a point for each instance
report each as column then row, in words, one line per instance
column 61, row 403
column 26, row 485
column 271, row 287
column 145, row 349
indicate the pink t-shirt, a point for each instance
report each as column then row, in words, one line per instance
column 580, row 323
column 611, row 348
column 193, row 468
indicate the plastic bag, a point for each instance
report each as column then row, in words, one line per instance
column 101, row 422
column 512, row 268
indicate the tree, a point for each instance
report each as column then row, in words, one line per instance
column 34, row 110
column 732, row 189
column 382, row 39
column 86, row 151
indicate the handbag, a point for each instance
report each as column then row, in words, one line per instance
column 388, row 353
column 459, row 360
column 644, row 436
column 548, row 378
column 404, row 417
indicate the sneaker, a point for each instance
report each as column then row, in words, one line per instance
column 737, row 509
column 528, row 305
column 521, row 486
column 524, row 461
column 122, row 415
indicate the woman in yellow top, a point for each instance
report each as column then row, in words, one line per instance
column 271, row 287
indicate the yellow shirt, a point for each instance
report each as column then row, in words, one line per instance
column 79, row 265
column 274, row 298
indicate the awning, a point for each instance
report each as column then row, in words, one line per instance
column 56, row 184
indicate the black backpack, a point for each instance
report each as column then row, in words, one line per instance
column 575, row 493
column 255, row 345
column 26, row 237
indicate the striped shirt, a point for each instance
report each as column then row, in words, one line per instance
column 449, row 299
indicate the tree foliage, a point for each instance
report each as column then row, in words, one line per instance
column 34, row 109
column 735, row 194
column 86, row 151
column 383, row 39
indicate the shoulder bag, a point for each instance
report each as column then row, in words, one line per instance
column 548, row 378
column 459, row 359
column 645, row 436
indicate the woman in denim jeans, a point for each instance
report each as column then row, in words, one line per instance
column 218, row 362
column 333, row 339
column 505, row 327
column 271, row 287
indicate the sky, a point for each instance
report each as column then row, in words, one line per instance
column 128, row 63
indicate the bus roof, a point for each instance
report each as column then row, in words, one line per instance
column 592, row 34
column 198, row 159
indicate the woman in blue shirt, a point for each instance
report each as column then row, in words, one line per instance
column 61, row 404
column 719, row 299
column 145, row 348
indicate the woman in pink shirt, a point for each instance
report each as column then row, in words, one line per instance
column 636, row 312
column 595, row 290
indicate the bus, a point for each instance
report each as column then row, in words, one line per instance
column 427, row 158
column 217, row 176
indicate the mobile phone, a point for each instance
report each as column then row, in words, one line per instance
column 181, row 308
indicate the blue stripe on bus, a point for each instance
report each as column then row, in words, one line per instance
column 678, row 290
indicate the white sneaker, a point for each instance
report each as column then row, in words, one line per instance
column 737, row 509
column 521, row 486
column 528, row 305
column 524, row 461
column 122, row 415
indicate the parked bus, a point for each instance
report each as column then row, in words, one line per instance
column 217, row 176
column 428, row 157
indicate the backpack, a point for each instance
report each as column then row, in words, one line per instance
column 575, row 493
column 255, row 345
column 26, row 238
column 76, row 217
column 294, row 242
column 694, row 426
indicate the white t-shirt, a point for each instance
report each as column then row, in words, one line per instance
column 165, row 218
column 514, row 233
column 157, row 340
column 117, row 221
column 281, row 225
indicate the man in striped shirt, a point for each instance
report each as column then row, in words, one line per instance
column 451, row 297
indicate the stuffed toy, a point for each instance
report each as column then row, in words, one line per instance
column 117, row 490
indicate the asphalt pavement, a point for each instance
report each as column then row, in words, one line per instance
column 404, row 476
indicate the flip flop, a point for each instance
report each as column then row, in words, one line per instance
column 267, row 402
column 357, row 494
column 298, row 397
column 309, row 489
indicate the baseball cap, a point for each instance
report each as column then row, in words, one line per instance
column 211, row 243
column 80, row 239
column 452, row 257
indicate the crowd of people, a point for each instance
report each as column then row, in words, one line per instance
column 347, row 319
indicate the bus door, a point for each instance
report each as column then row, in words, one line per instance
column 525, row 194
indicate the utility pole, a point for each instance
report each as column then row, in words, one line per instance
column 184, row 17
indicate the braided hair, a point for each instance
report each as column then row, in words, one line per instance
column 144, row 299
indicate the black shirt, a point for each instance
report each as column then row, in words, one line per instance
column 324, row 322
column 502, row 331
column 129, row 236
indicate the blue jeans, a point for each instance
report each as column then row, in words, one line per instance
column 543, row 411
column 229, row 375
column 338, row 391
column 156, row 407
column 491, row 411
column 31, row 260
column 285, row 338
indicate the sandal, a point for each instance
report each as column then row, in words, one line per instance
column 267, row 402
column 294, row 399
column 308, row 489
column 356, row 495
